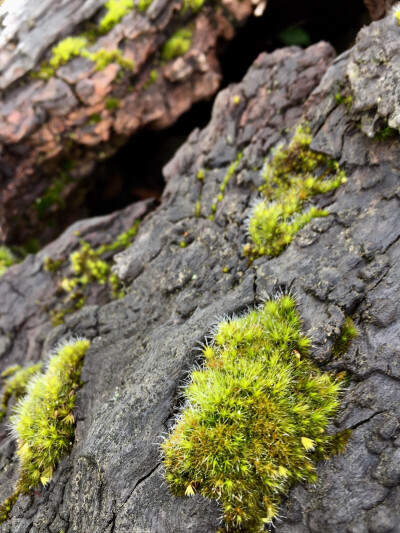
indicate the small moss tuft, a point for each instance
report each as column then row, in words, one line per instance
column 102, row 58
column 43, row 422
column 67, row 49
column 116, row 11
column 88, row 266
column 15, row 381
column 143, row 5
column 255, row 417
column 346, row 335
column 194, row 5
column 397, row 16
column 7, row 259
column 177, row 45
column 292, row 178
column 112, row 104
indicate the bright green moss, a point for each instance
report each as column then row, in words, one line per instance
column 102, row 58
column 229, row 174
column 14, row 384
column 255, row 418
column 194, row 5
column 347, row 334
column 116, row 11
column 67, row 49
column 201, row 173
column 177, row 45
column 292, row 178
column 88, row 266
column 7, row 259
column 143, row 5
column 112, row 104
column 346, row 100
column 397, row 16
column 43, row 422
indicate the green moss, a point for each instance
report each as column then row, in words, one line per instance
column 43, row 422
column 7, row 505
column 385, row 133
column 346, row 100
column 88, row 266
column 112, row 104
column 15, row 380
column 347, row 334
column 201, row 174
column 143, row 5
column 292, row 178
column 67, row 49
column 177, row 45
column 94, row 119
column 194, row 5
column 7, row 259
column 255, row 418
column 115, row 12
column 182, row 244
column 229, row 174
column 397, row 16
column 102, row 58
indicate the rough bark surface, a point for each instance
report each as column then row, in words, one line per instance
column 65, row 122
column 143, row 345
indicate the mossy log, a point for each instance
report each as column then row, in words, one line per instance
column 186, row 267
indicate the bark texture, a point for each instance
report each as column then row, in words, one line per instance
column 346, row 264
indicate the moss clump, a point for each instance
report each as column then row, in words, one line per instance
column 116, row 11
column 112, row 104
column 255, row 417
column 385, row 133
column 229, row 174
column 43, row 422
column 88, row 266
column 7, row 259
column 177, row 45
column 67, row 49
column 143, row 5
column 194, row 5
column 15, row 381
column 292, row 178
column 397, row 16
column 342, row 99
column 102, row 58
column 347, row 334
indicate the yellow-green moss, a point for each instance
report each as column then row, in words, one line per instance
column 7, row 259
column 194, row 5
column 67, row 49
column 294, row 175
column 88, row 266
column 177, row 45
column 102, row 58
column 115, row 12
column 143, row 5
column 15, row 379
column 112, row 104
column 347, row 334
column 43, row 422
column 255, row 418
column 397, row 16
